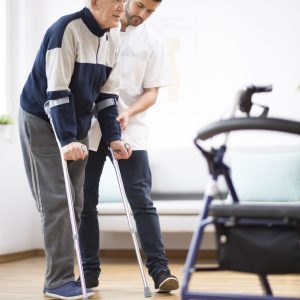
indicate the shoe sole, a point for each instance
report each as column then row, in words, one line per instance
column 92, row 287
column 168, row 285
column 55, row 296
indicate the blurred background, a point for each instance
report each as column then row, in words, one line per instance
column 215, row 48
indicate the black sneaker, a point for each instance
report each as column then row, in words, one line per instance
column 91, row 280
column 165, row 282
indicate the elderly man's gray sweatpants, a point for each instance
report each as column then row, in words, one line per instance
column 45, row 175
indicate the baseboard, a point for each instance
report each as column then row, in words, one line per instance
column 21, row 255
column 170, row 253
column 108, row 253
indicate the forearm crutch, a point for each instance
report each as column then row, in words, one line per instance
column 147, row 292
column 72, row 215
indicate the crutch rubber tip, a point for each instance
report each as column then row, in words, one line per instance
column 147, row 292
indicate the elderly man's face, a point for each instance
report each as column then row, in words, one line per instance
column 138, row 11
column 107, row 12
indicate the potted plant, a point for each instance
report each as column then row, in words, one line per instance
column 5, row 122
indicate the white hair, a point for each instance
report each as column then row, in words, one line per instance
column 88, row 3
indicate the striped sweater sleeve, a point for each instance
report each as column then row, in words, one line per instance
column 60, row 60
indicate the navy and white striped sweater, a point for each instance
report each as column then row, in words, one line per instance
column 76, row 66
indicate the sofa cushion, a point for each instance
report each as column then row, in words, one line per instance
column 271, row 177
column 181, row 171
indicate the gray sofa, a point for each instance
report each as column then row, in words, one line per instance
column 261, row 173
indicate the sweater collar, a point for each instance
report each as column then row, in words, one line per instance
column 91, row 23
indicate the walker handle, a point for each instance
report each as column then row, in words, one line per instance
column 234, row 124
column 245, row 102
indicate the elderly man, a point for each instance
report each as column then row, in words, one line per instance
column 143, row 72
column 75, row 73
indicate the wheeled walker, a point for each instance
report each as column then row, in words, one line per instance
column 253, row 238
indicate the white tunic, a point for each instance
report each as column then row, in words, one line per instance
column 144, row 64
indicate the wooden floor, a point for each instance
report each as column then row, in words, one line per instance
column 23, row 280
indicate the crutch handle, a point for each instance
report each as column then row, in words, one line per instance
column 120, row 149
column 127, row 146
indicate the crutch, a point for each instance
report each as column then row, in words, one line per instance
column 147, row 292
column 71, row 211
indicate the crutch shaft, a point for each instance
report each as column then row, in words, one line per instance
column 127, row 208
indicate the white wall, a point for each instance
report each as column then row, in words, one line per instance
column 215, row 47
column 19, row 220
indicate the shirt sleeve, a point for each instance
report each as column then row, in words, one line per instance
column 157, row 73
column 60, row 61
